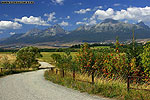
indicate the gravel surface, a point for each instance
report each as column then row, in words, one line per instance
column 45, row 65
column 33, row 86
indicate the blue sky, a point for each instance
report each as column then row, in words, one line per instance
column 70, row 14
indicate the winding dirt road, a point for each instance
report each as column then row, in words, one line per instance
column 33, row 86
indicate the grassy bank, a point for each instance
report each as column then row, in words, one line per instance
column 102, row 87
column 9, row 72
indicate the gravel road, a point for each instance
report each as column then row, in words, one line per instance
column 33, row 86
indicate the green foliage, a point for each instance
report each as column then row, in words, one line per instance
column 146, row 59
column 115, row 65
column 86, row 59
column 56, row 57
column 134, row 59
column 63, row 61
column 26, row 57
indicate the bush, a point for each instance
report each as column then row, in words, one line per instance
column 26, row 57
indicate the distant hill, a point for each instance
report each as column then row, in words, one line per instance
column 106, row 30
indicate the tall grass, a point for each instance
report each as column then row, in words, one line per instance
column 108, row 88
column 15, row 71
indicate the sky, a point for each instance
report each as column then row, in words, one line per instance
column 70, row 14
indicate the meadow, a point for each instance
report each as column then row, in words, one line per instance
column 110, row 66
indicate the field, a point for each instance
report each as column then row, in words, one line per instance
column 99, row 47
column 47, row 56
column 11, row 57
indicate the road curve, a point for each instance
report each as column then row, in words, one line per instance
column 45, row 65
column 33, row 86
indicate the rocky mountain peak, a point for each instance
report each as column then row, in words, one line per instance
column 56, row 29
column 142, row 24
column 31, row 32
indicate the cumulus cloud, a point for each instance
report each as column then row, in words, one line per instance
column 50, row 16
column 101, row 14
column 131, row 13
column 134, row 13
column 32, row 20
column 82, row 11
column 63, row 23
column 58, row 1
column 9, row 25
column 12, row 33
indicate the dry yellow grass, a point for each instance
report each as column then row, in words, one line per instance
column 11, row 57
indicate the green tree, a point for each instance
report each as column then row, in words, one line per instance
column 134, row 59
column 26, row 57
column 56, row 57
column 146, row 59
column 87, row 60
column 64, row 62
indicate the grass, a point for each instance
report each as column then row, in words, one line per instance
column 16, row 71
column 108, row 88
column 11, row 57
column 47, row 56
column 99, row 47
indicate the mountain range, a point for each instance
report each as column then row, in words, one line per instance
column 106, row 30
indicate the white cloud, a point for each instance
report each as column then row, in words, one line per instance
column 101, row 14
column 1, row 32
column 12, row 33
column 92, row 22
column 81, row 23
column 131, row 13
column 50, row 16
column 116, row 4
column 9, row 25
column 68, row 17
column 32, row 20
column 63, row 23
column 58, row 1
column 82, row 11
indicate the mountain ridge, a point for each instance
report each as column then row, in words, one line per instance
column 106, row 30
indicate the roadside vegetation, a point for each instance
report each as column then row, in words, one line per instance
column 96, row 69
column 22, row 61
column 104, row 71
